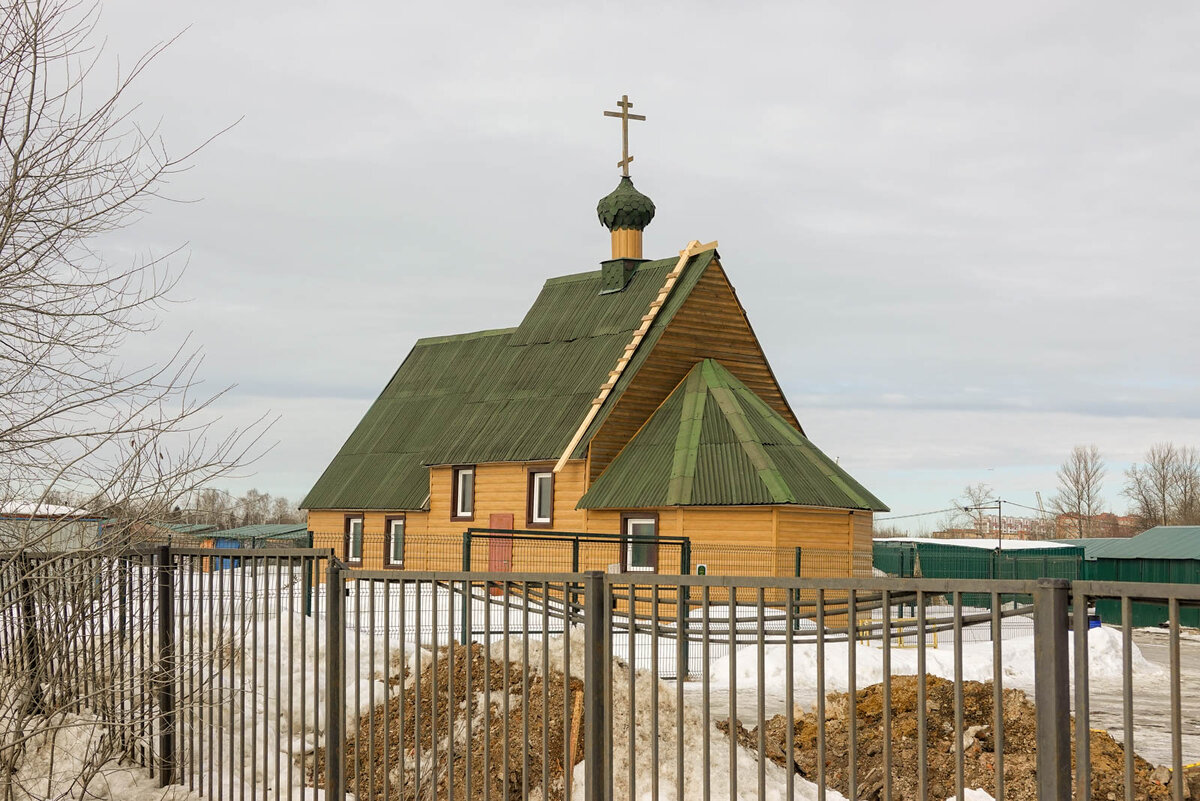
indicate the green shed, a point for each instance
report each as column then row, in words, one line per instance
column 1163, row 554
column 976, row 559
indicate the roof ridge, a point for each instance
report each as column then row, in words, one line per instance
column 687, row 440
column 466, row 337
column 571, row 278
column 686, row 255
column 735, row 415
column 805, row 445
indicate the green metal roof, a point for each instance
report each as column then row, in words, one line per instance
column 713, row 442
column 264, row 531
column 515, row 394
column 187, row 528
column 1160, row 542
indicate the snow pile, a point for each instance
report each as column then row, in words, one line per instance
column 64, row 756
column 255, row 706
column 237, row 707
column 1104, row 663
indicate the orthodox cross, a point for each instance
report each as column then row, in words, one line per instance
column 625, row 116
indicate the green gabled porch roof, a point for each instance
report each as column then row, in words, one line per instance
column 514, row 394
column 713, row 442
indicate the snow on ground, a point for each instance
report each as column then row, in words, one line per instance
column 633, row 714
column 1104, row 663
column 53, row 765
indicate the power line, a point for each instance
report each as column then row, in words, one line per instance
column 1030, row 508
column 920, row 514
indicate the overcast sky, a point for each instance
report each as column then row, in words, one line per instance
column 965, row 233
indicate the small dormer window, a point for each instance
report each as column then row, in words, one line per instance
column 462, row 502
column 540, row 509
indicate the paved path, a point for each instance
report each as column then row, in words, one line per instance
column 1151, row 701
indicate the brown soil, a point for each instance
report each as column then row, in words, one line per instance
column 443, row 758
column 1020, row 744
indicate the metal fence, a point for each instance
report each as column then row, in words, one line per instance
column 546, row 551
column 288, row 671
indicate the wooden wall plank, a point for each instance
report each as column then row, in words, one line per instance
column 709, row 324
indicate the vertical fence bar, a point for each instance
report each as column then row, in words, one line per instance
column 959, row 762
column 597, row 619
column 1052, row 689
column 922, row 707
column 335, row 689
column 852, row 693
column 166, row 668
column 761, row 674
column 998, row 694
column 820, row 600
column 29, row 638
column 465, row 637
column 683, row 595
column 886, row 635
column 1127, row 690
column 789, row 691
column 1177, row 778
column 1083, row 745
column 706, row 710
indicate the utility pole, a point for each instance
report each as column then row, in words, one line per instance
column 999, row 506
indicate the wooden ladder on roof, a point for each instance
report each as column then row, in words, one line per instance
column 639, row 334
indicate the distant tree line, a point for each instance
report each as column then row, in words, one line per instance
column 1163, row 490
column 220, row 508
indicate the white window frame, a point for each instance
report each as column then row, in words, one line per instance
column 630, row 522
column 350, row 537
column 461, row 509
column 537, row 479
column 390, row 556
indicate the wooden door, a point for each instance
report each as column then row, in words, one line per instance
column 499, row 548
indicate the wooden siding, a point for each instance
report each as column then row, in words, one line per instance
column 832, row 541
column 738, row 540
column 710, row 324
column 432, row 539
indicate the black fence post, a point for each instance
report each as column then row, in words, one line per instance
column 1052, row 688
column 166, row 668
column 683, row 609
column 798, row 561
column 29, row 638
column 309, row 586
column 465, row 637
column 335, row 680
column 597, row 619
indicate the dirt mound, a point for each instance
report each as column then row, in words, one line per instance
column 436, row 733
column 979, row 764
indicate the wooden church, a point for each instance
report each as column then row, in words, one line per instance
column 632, row 400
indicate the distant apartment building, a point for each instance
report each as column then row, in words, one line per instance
column 1009, row 527
column 1070, row 526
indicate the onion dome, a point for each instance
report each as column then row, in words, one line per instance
column 625, row 208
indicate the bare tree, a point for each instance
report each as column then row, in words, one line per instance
column 282, row 511
column 1165, row 490
column 966, row 513
column 1187, row 487
column 256, row 507
column 1080, row 480
column 76, row 421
